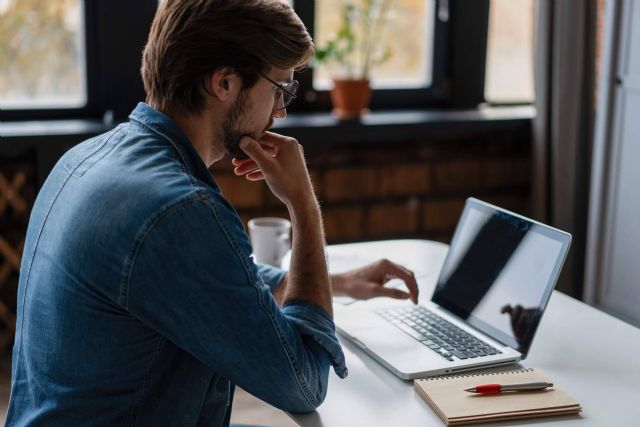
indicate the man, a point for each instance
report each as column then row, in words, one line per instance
column 138, row 301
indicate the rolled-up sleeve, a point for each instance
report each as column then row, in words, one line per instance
column 193, row 281
column 271, row 276
column 312, row 321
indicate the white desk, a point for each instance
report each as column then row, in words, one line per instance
column 593, row 356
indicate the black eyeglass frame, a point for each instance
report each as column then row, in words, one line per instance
column 283, row 87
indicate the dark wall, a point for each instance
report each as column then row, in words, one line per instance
column 374, row 181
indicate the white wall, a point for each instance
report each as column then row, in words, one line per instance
column 613, row 247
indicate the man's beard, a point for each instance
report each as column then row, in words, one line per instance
column 231, row 132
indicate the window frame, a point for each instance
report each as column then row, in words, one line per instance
column 113, row 69
column 113, row 81
column 451, row 87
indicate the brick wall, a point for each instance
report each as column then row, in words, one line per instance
column 17, row 193
column 395, row 189
column 409, row 189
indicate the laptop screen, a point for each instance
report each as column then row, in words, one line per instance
column 499, row 272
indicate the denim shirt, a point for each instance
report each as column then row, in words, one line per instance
column 139, row 303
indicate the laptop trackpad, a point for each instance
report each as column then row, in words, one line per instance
column 391, row 344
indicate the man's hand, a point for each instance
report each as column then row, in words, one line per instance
column 368, row 282
column 279, row 160
column 248, row 167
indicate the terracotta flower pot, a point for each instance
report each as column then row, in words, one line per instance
column 350, row 98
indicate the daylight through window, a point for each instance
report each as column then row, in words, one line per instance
column 509, row 74
column 405, row 40
column 42, row 54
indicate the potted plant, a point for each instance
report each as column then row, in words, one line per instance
column 352, row 52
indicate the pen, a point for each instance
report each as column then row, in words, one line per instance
column 499, row 388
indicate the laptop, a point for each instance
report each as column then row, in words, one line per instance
column 489, row 298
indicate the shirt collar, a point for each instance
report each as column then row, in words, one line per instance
column 164, row 125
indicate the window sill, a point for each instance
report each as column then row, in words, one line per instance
column 30, row 129
column 312, row 128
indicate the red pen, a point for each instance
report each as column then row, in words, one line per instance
column 499, row 388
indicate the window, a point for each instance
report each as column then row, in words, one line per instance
column 410, row 58
column 416, row 75
column 76, row 59
column 81, row 58
column 42, row 54
column 509, row 72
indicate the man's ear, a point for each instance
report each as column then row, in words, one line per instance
column 223, row 83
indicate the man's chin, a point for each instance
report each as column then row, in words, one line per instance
column 232, row 149
column 236, row 152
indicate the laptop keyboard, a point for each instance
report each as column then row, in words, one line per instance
column 433, row 331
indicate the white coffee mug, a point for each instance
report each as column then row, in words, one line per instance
column 270, row 239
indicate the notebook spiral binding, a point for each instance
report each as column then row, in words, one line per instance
column 479, row 374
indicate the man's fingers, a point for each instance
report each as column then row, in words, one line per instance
column 239, row 162
column 406, row 275
column 266, row 146
column 246, row 167
column 251, row 147
column 392, row 293
column 274, row 138
column 255, row 175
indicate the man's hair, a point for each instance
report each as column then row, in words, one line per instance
column 191, row 39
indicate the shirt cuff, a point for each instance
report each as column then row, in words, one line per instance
column 313, row 321
column 271, row 276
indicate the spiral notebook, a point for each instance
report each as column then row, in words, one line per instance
column 446, row 396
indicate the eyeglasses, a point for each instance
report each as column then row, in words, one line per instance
column 285, row 93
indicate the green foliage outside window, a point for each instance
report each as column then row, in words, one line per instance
column 42, row 58
column 357, row 46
